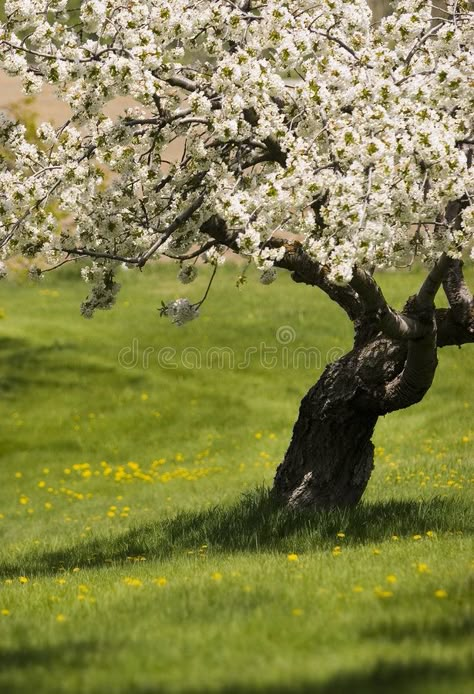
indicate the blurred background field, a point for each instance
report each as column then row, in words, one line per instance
column 140, row 551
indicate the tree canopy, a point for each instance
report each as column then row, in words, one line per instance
column 312, row 139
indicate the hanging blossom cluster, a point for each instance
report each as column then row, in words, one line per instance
column 297, row 117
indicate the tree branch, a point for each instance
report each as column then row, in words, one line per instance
column 297, row 261
column 396, row 325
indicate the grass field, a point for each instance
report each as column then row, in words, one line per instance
column 139, row 549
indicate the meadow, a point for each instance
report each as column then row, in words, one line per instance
column 140, row 550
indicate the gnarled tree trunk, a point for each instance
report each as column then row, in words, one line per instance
column 330, row 458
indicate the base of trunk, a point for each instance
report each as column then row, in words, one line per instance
column 330, row 457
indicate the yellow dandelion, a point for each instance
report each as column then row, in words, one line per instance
column 18, row 475
column 382, row 593
column 296, row 612
column 144, row 397
column 395, row 538
column 391, row 578
column 357, row 589
column 376, row 552
column 258, row 435
column 440, row 593
column 61, row 581
column 161, row 581
column 341, row 535
column 292, row 557
column 5, row 612
column 75, row 569
column 430, row 533
column 60, row 618
column 336, row 551
column 216, row 576
column 417, row 537
column 135, row 582
column 422, row 568
column 23, row 579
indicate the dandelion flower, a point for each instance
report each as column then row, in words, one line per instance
column 391, row 579
column 440, row 593
column 297, row 612
column 422, row 568
column 216, row 576
column 341, row 535
column 60, row 618
column 5, row 612
column 292, row 557
column 161, row 581
column 135, row 582
column 382, row 593
column 23, row 579
column 417, row 537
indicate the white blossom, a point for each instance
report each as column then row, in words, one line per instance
column 187, row 274
column 366, row 144
column 181, row 311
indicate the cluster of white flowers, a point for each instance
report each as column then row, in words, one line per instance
column 187, row 274
column 181, row 311
column 299, row 117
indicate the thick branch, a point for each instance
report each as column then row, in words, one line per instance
column 297, row 261
column 306, row 269
column 417, row 376
column 458, row 293
column 451, row 332
column 433, row 281
column 393, row 324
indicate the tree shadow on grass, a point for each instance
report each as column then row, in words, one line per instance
column 73, row 654
column 384, row 678
column 254, row 523
column 25, row 365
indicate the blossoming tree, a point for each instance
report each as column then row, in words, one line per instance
column 313, row 141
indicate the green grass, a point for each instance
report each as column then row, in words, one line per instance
column 95, row 536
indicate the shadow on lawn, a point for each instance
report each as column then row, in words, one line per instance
column 389, row 678
column 254, row 523
column 386, row 678
column 27, row 366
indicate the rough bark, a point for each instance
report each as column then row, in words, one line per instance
column 330, row 457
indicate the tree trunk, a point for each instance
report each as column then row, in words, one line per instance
column 330, row 457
